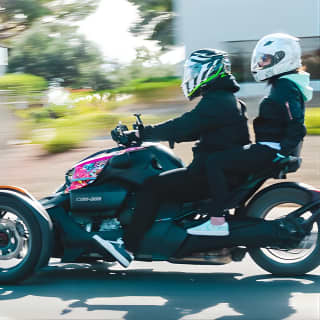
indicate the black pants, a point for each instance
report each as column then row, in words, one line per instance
column 202, row 179
column 240, row 160
column 184, row 184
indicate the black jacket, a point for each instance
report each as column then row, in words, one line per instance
column 218, row 121
column 281, row 116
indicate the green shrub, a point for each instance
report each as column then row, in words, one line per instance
column 44, row 114
column 152, row 89
column 313, row 121
column 169, row 80
column 64, row 139
column 149, row 84
column 22, row 83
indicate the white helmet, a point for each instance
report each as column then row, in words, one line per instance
column 275, row 54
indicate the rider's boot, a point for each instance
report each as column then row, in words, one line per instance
column 215, row 226
column 116, row 249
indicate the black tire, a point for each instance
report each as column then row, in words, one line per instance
column 259, row 208
column 28, row 265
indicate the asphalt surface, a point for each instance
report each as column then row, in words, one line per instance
column 160, row 291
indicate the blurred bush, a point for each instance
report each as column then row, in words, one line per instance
column 60, row 128
column 64, row 139
column 313, row 121
column 146, row 89
column 51, row 112
column 21, row 84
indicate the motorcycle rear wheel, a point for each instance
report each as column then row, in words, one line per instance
column 274, row 204
column 20, row 241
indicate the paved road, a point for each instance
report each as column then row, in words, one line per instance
column 160, row 291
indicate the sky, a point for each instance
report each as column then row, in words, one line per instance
column 109, row 27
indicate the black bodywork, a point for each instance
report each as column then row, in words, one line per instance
column 77, row 215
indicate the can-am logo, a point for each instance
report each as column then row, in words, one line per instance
column 88, row 199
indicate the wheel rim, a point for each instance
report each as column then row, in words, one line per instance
column 15, row 239
column 306, row 247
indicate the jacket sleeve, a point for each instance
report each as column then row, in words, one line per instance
column 294, row 117
column 187, row 127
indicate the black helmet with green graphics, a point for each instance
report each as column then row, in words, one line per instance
column 203, row 67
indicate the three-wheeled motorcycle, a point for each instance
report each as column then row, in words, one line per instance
column 277, row 225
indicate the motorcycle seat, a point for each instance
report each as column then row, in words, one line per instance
column 277, row 170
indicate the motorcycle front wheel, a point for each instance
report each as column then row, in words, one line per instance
column 277, row 203
column 20, row 241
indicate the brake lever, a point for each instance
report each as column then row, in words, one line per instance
column 139, row 124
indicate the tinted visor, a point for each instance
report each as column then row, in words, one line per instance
column 191, row 70
column 262, row 61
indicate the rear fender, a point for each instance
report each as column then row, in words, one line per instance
column 313, row 192
column 44, row 220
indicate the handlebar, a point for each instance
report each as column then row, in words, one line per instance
column 118, row 134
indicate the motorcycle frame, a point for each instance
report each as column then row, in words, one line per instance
column 164, row 239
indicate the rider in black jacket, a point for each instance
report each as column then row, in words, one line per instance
column 279, row 128
column 281, row 114
column 218, row 122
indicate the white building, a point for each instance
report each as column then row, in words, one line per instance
column 213, row 23
column 236, row 25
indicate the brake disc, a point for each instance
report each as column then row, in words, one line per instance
column 12, row 237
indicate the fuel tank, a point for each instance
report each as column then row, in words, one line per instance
column 133, row 165
column 137, row 165
column 100, row 182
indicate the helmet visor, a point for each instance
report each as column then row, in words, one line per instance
column 261, row 61
column 191, row 70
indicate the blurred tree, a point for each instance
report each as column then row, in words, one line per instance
column 157, row 21
column 147, row 64
column 58, row 52
column 18, row 15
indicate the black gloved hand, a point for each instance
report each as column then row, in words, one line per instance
column 132, row 135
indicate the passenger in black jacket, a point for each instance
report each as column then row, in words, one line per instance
column 279, row 127
column 218, row 122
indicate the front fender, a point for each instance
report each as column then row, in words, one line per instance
column 43, row 218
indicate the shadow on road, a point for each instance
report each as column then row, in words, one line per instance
column 184, row 295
